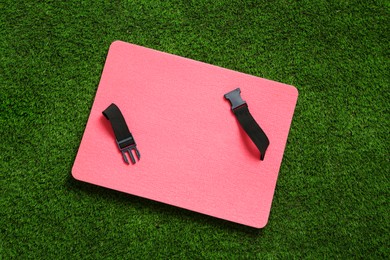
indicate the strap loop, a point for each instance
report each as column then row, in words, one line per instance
column 247, row 122
column 124, row 138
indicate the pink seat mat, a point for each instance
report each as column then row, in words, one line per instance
column 194, row 154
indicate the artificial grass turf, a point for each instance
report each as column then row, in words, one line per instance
column 332, row 194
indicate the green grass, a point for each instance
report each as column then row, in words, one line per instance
column 332, row 195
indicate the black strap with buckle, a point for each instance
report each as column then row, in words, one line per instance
column 248, row 123
column 124, row 138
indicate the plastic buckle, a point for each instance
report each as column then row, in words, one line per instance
column 128, row 145
column 235, row 98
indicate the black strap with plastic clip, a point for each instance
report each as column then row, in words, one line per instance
column 248, row 123
column 124, row 138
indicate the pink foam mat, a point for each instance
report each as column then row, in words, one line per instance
column 194, row 154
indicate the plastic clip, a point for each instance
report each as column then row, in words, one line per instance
column 128, row 145
column 235, row 98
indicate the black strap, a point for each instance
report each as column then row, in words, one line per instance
column 251, row 127
column 248, row 123
column 124, row 138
